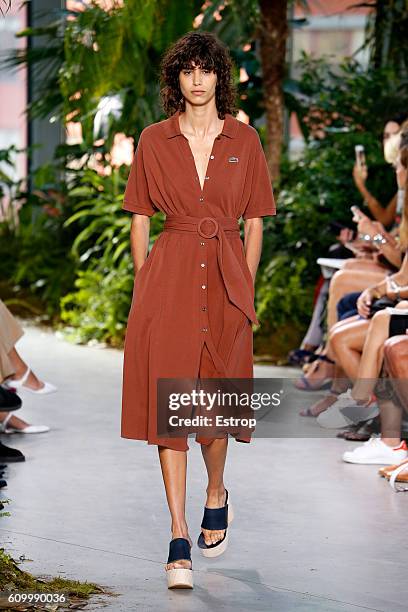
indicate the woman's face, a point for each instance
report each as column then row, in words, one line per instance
column 390, row 128
column 401, row 172
column 197, row 85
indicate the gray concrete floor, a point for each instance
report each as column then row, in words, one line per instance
column 311, row 533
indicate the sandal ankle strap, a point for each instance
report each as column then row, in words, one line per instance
column 20, row 381
column 3, row 423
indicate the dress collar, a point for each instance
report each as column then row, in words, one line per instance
column 172, row 126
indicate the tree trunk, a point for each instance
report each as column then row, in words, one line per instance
column 272, row 37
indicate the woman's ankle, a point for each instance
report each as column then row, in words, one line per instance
column 179, row 531
column 15, row 421
column 216, row 495
column 391, row 442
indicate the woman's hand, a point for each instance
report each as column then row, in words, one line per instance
column 364, row 302
column 360, row 174
column 366, row 226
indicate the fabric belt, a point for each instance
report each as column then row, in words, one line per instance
column 232, row 273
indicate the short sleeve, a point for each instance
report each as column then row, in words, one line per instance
column 261, row 200
column 137, row 198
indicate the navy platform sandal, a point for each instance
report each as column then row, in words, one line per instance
column 216, row 519
column 179, row 577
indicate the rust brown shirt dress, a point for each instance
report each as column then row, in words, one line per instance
column 193, row 299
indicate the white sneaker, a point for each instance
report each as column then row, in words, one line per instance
column 345, row 411
column 375, row 451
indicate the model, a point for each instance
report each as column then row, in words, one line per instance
column 193, row 300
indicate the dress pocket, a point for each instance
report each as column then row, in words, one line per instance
column 149, row 259
column 142, row 276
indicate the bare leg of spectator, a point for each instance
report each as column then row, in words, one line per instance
column 20, row 368
column 14, row 421
column 391, row 418
column 367, row 264
column 321, row 369
column 372, row 357
column 347, row 342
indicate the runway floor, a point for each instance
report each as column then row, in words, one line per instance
column 311, row 533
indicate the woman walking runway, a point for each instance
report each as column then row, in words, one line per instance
column 193, row 301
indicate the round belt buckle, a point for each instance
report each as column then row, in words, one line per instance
column 200, row 230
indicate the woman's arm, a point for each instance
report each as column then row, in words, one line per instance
column 384, row 215
column 391, row 251
column 253, row 235
column 385, row 287
column 401, row 277
column 139, row 240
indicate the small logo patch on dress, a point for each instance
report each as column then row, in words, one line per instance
column 233, row 160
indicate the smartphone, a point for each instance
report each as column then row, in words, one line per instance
column 336, row 227
column 360, row 156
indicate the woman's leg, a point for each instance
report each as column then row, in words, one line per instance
column 339, row 385
column 372, row 356
column 347, row 342
column 14, row 421
column 391, row 418
column 174, row 469
column 366, row 264
column 214, row 455
column 395, row 354
column 346, row 281
column 20, row 367
column 320, row 370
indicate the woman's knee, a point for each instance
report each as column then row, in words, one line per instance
column 336, row 335
column 380, row 319
column 339, row 278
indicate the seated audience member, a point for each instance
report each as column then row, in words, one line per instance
column 8, row 402
column 389, row 449
column 396, row 403
column 353, row 280
column 385, row 215
column 343, row 283
column 348, row 337
column 11, row 364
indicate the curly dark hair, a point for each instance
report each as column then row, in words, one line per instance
column 206, row 51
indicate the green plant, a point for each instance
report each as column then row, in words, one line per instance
column 318, row 188
column 98, row 307
column 13, row 579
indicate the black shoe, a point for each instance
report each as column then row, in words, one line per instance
column 3, row 483
column 8, row 400
column 10, row 455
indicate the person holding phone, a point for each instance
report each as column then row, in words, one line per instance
column 369, row 266
column 385, row 215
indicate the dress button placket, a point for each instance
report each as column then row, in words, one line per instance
column 203, row 266
column 203, row 289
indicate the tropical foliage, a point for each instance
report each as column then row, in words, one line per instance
column 100, row 70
